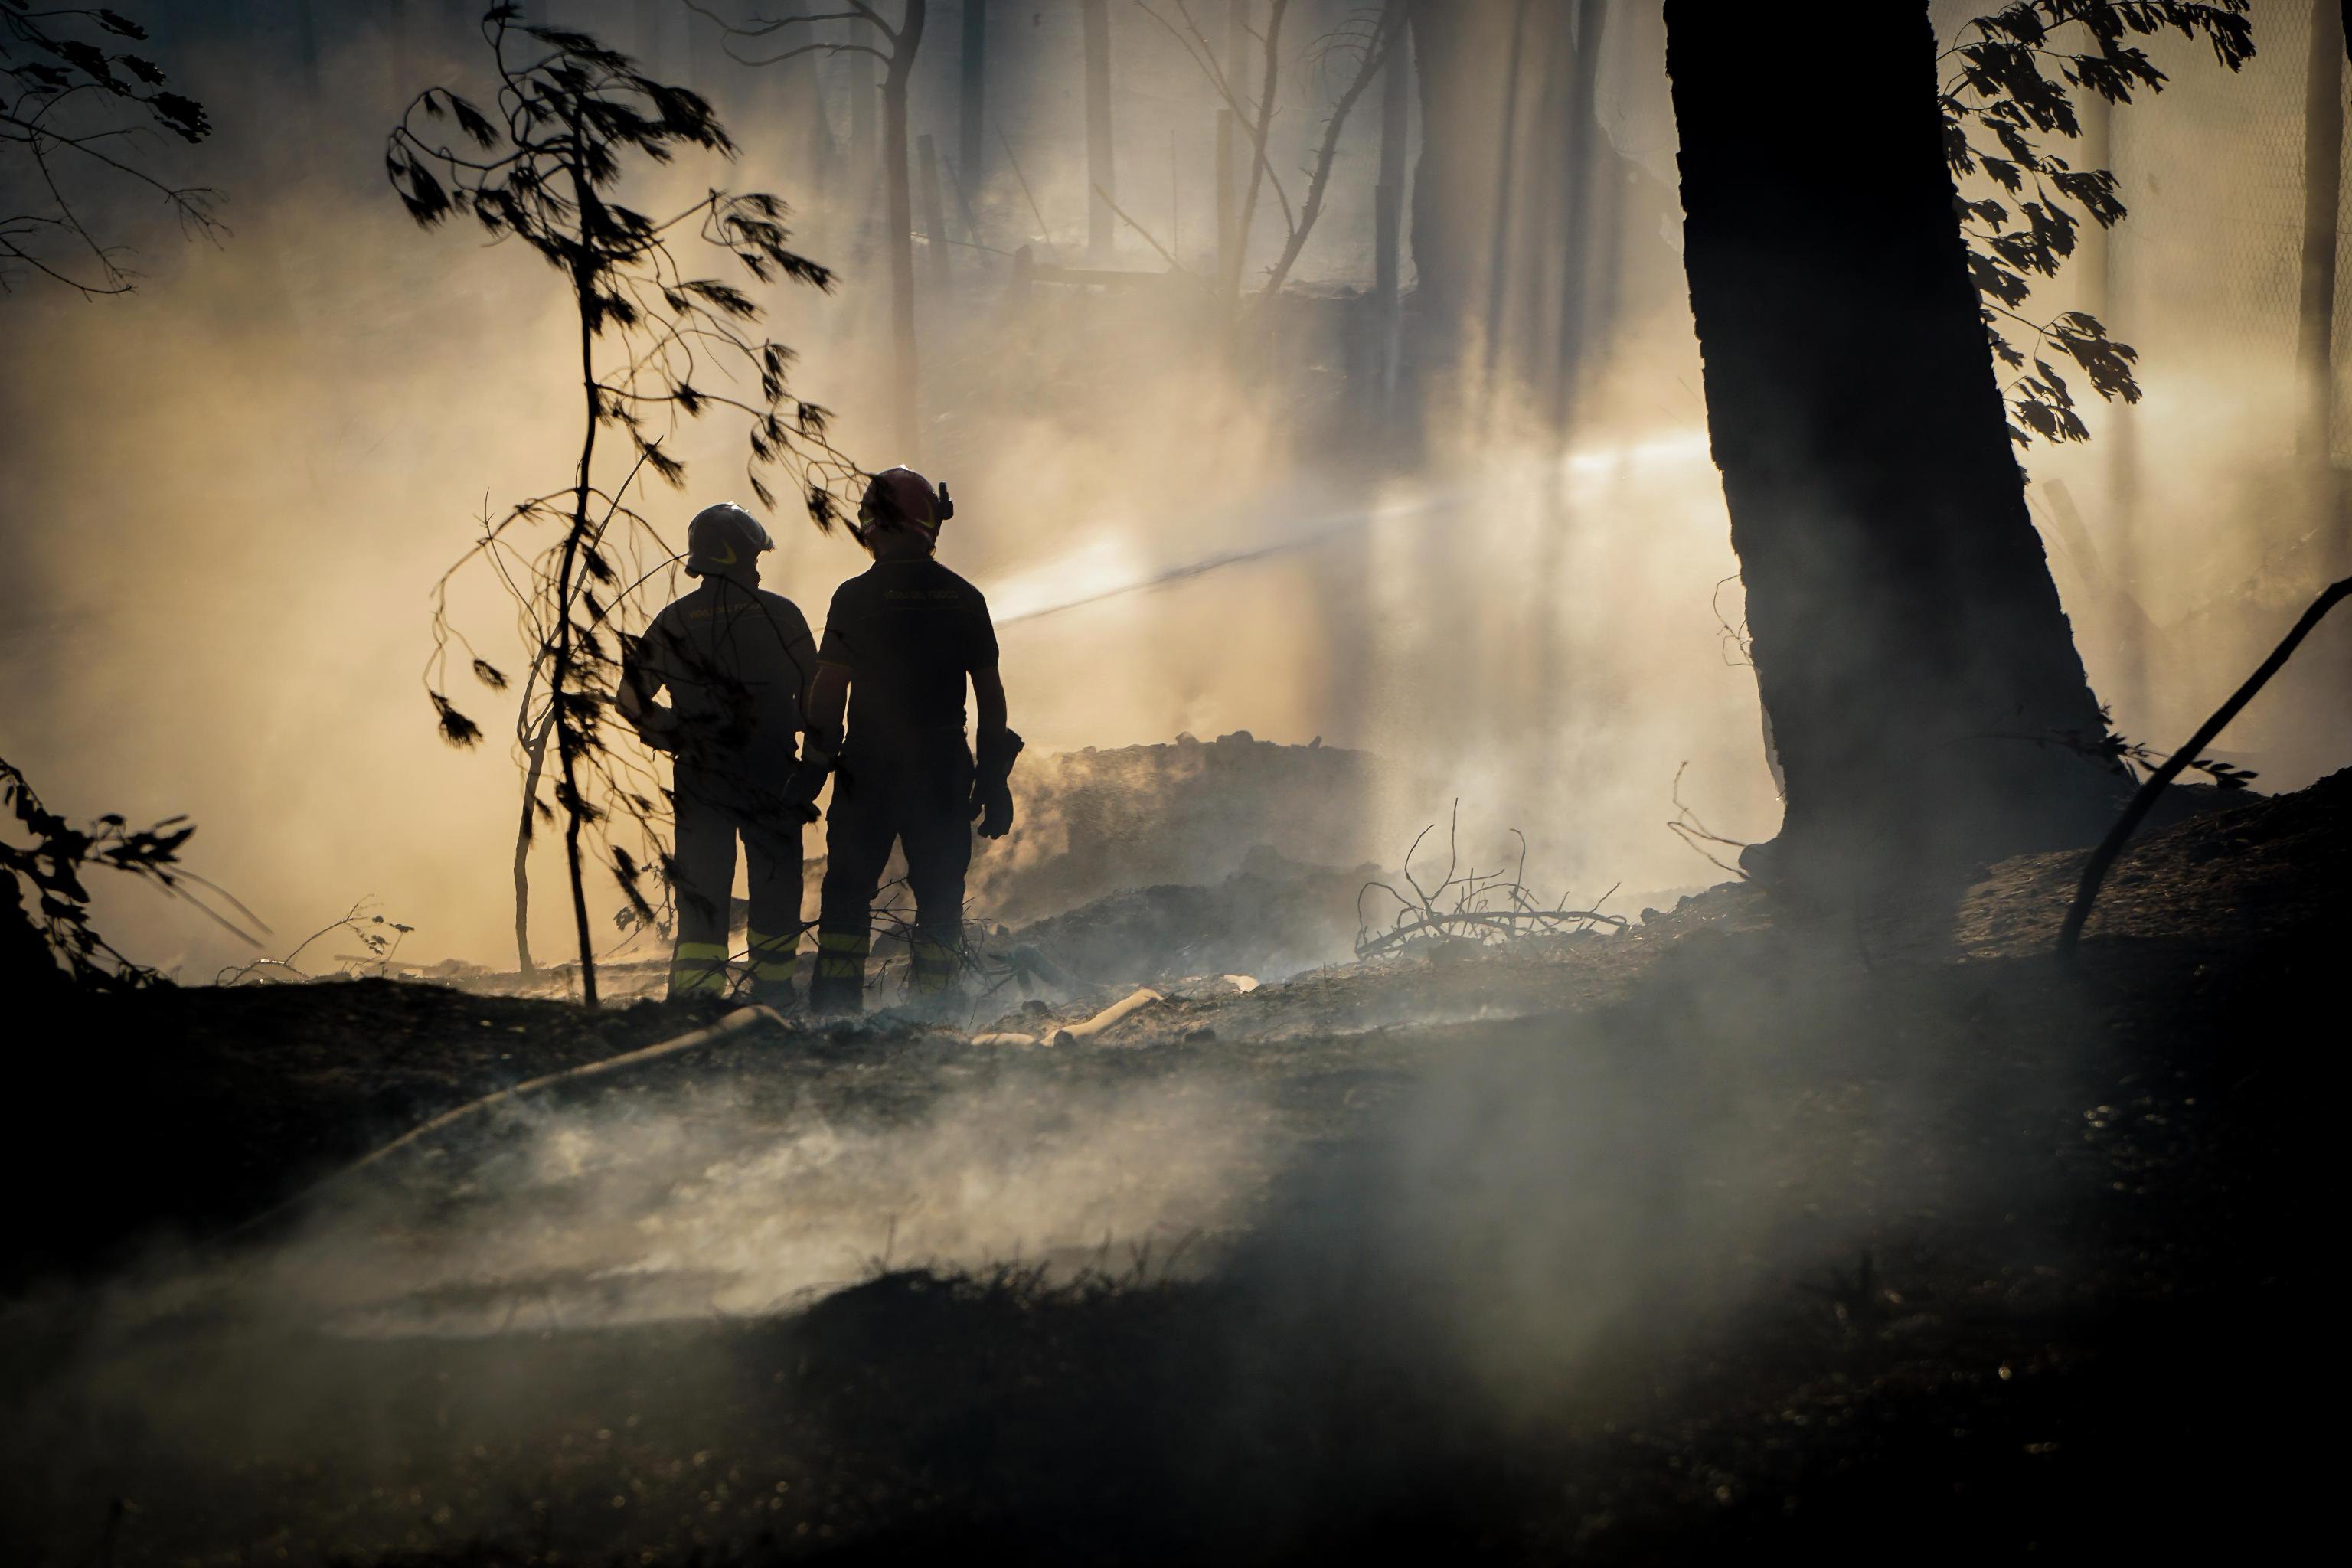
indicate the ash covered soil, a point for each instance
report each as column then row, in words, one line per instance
column 1734, row 1232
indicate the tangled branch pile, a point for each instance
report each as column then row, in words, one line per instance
column 1485, row 907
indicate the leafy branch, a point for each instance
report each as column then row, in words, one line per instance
column 51, row 865
column 2139, row 760
column 72, row 107
column 382, row 937
column 2011, row 89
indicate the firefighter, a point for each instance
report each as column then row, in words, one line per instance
column 737, row 661
column 899, row 642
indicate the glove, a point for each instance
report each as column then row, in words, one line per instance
column 806, row 780
column 991, row 807
column 992, row 791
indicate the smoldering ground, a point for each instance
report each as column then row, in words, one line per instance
column 1421, row 1252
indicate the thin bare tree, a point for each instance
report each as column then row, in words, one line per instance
column 1362, row 44
column 895, row 48
column 655, row 345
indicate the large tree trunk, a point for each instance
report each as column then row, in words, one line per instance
column 1921, row 679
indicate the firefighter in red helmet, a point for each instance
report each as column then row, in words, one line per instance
column 736, row 661
column 900, row 641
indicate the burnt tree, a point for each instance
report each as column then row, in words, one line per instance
column 871, row 41
column 1922, row 681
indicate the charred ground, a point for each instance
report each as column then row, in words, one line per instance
column 1953, row 1252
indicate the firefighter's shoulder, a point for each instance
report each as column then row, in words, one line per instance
column 776, row 603
column 953, row 582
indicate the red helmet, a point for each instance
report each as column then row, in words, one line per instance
column 902, row 495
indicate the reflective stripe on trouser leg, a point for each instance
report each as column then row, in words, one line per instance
column 838, row 982
column 840, row 955
column 933, row 967
column 698, row 969
column 772, row 960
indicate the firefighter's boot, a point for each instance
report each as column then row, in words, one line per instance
column 931, row 974
column 698, row 970
column 838, row 989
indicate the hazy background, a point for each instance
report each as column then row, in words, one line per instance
column 226, row 497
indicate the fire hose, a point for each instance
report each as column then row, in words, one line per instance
column 733, row 1024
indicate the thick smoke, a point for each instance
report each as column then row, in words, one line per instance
column 234, row 489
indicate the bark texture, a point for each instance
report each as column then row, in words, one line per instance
column 1908, row 640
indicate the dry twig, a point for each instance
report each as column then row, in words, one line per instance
column 1484, row 907
column 2094, row 871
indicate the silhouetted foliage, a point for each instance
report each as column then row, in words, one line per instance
column 2141, row 759
column 72, row 108
column 542, row 169
column 381, row 935
column 50, row 868
column 2012, row 89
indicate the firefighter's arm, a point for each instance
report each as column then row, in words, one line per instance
column 828, row 705
column 992, row 787
column 633, row 695
column 988, row 695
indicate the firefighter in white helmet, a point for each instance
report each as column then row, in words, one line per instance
column 900, row 641
column 736, row 661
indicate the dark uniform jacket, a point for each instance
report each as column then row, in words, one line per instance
column 908, row 632
column 736, row 662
